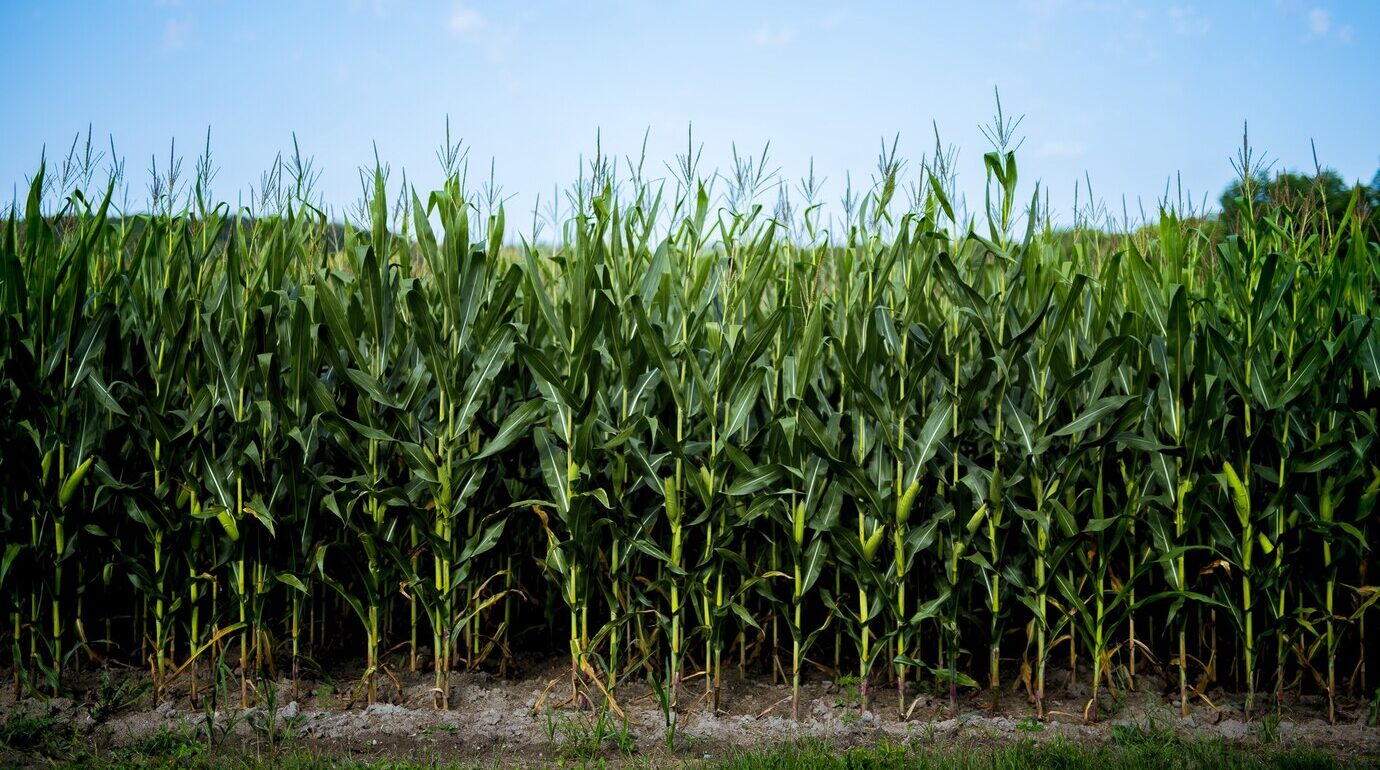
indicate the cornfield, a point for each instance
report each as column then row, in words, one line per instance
column 690, row 435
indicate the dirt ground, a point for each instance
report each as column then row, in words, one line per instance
column 496, row 720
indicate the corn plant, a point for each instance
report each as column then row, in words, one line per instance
column 683, row 428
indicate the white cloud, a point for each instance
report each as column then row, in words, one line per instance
column 1057, row 149
column 1319, row 21
column 175, row 34
column 494, row 38
column 465, row 21
column 1187, row 22
column 773, row 37
column 1322, row 26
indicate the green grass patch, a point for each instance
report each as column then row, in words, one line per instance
column 1058, row 753
column 169, row 750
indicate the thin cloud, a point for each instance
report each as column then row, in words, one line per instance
column 381, row 9
column 493, row 37
column 773, row 37
column 175, row 34
column 1187, row 22
column 1044, row 6
column 832, row 20
column 1321, row 26
column 466, row 22
column 1319, row 22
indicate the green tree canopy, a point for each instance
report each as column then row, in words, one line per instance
column 1321, row 197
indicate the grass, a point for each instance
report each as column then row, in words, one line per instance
column 1057, row 753
column 37, row 735
column 167, row 750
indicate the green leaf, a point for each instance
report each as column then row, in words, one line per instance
column 754, row 480
column 293, row 582
column 553, row 468
column 488, row 366
column 812, row 565
column 932, row 431
column 1102, row 409
column 514, row 427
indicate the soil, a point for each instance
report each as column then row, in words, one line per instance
column 523, row 720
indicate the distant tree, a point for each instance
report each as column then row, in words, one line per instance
column 1303, row 196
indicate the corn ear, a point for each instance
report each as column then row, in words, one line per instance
column 873, row 542
column 73, row 482
column 907, row 502
column 975, row 520
column 228, row 523
column 1240, row 499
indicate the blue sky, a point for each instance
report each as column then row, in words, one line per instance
column 1129, row 92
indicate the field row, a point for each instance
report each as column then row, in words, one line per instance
column 690, row 435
